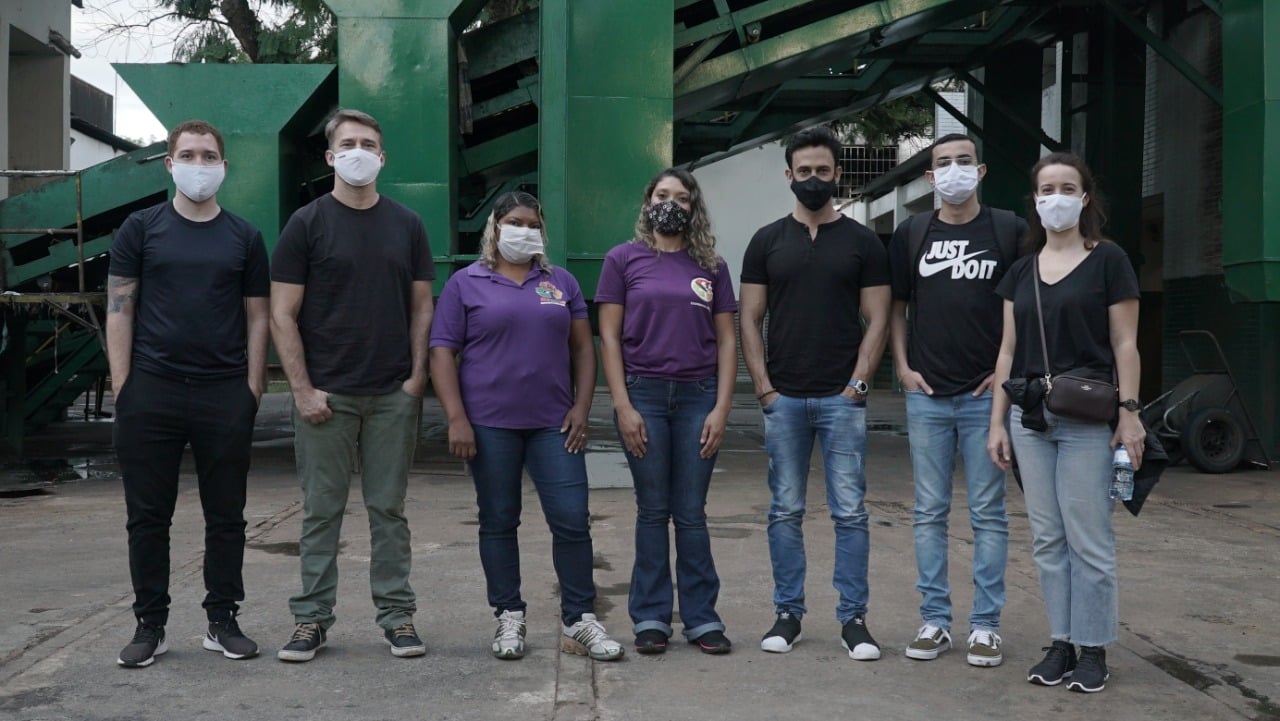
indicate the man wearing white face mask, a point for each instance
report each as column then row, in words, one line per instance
column 945, row 266
column 187, row 345
column 351, row 308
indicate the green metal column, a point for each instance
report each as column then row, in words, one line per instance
column 605, row 124
column 397, row 61
column 1013, row 77
column 1114, row 127
column 251, row 105
column 1251, row 149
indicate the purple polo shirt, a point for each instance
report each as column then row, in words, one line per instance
column 668, row 326
column 513, row 341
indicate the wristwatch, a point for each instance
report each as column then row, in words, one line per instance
column 1131, row 405
column 858, row 386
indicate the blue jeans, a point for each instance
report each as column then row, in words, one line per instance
column 938, row 427
column 1066, row 472
column 840, row 425
column 560, row 478
column 671, row 484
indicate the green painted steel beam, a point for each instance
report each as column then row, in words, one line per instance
column 1251, row 150
column 260, row 167
column 1017, row 119
column 733, row 21
column 605, row 123
column 502, row 103
column 496, row 152
column 1166, row 51
column 502, row 44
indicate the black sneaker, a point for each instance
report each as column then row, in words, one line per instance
column 1059, row 663
column 713, row 642
column 857, row 640
column 307, row 639
column 1091, row 672
column 783, row 636
column 404, row 641
column 148, row 642
column 224, row 635
column 651, row 642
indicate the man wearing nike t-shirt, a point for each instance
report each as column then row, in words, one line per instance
column 945, row 265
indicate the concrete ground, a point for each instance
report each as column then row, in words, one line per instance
column 1199, row 608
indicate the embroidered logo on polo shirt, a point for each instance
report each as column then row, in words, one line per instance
column 702, row 289
column 550, row 294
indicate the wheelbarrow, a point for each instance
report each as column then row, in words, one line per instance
column 1204, row 419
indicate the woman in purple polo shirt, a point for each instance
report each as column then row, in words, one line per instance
column 666, row 335
column 513, row 365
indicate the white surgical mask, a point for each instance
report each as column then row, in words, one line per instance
column 357, row 167
column 956, row 183
column 1059, row 212
column 198, row 182
column 519, row 245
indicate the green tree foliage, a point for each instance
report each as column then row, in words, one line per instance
column 887, row 123
column 257, row 31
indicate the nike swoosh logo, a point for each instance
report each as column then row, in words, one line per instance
column 927, row 269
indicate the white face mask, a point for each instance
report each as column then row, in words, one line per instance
column 519, row 245
column 198, row 182
column 357, row 167
column 1059, row 212
column 956, row 183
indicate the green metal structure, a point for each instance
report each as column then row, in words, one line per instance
column 584, row 101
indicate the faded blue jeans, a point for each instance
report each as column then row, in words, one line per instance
column 840, row 426
column 1066, row 472
column 938, row 429
column 671, row 483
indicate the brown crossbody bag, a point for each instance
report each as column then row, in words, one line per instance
column 1068, row 394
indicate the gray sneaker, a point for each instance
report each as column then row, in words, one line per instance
column 930, row 642
column 984, row 648
column 588, row 638
column 508, row 640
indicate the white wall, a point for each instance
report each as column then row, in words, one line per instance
column 744, row 192
column 86, row 151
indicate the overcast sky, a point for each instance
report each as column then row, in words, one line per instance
column 151, row 45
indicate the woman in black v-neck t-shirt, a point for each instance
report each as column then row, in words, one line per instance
column 1089, row 298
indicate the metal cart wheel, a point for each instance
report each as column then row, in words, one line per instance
column 1213, row 441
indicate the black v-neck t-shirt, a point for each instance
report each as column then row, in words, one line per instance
column 814, row 298
column 1075, row 312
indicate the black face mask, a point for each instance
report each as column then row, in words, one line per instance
column 814, row 192
column 668, row 218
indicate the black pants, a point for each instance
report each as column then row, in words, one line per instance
column 156, row 417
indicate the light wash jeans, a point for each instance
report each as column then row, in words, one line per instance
column 938, row 427
column 840, row 425
column 1066, row 472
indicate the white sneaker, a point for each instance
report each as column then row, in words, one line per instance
column 508, row 640
column 930, row 642
column 984, row 648
column 588, row 638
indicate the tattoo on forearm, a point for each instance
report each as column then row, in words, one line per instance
column 119, row 292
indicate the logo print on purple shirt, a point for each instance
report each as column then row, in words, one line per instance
column 549, row 293
column 702, row 289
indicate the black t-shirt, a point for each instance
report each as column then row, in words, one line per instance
column 956, row 318
column 193, row 277
column 358, row 267
column 1075, row 312
column 813, row 299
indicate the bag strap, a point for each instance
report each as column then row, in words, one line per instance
column 1044, row 346
column 918, row 227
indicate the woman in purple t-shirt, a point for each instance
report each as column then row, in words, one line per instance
column 513, row 365
column 666, row 335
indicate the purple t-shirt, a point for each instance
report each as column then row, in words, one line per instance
column 513, row 341
column 668, row 326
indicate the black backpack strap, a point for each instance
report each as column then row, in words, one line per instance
column 917, row 231
column 1006, row 228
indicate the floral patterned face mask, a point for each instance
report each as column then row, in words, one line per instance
column 668, row 217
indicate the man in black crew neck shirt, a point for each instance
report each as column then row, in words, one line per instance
column 187, row 345
column 350, row 312
column 945, row 266
column 816, row 273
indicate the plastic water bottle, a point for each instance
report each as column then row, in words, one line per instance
column 1122, row 481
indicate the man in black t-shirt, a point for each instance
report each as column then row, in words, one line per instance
column 187, row 345
column 945, row 267
column 350, row 311
column 816, row 273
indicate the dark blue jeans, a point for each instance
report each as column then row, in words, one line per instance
column 561, row 480
column 671, row 484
